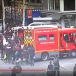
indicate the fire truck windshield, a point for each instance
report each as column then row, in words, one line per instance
column 28, row 37
column 74, row 33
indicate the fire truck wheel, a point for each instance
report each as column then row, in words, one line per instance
column 73, row 54
column 45, row 56
column 60, row 55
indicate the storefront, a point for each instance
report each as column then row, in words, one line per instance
column 68, row 20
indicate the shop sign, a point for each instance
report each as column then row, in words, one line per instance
column 29, row 14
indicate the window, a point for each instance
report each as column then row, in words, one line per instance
column 51, row 4
column 30, row 36
column 61, row 40
column 65, row 37
column 26, row 37
column 51, row 37
column 7, row 2
column 69, row 21
column 42, row 38
column 38, row 1
column 55, row 5
column 33, row 1
column 27, row 1
column 67, row 4
column 71, row 37
column 74, row 33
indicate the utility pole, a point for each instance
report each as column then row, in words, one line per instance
column 3, row 8
column 23, row 23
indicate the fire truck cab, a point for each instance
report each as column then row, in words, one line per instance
column 67, row 42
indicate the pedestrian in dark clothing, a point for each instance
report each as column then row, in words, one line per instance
column 1, row 44
column 10, row 33
column 17, row 48
column 16, row 69
column 56, row 64
column 74, row 71
column 8, row 52
column 16, row 40
column 13, row 44
column 50, row 69
column 26, row 54
column 6, row 35
column 31, row 54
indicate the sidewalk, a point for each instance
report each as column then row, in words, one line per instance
column 69, row 67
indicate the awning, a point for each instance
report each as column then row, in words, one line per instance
column 55, row 16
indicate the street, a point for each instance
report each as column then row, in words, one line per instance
column 66, row 67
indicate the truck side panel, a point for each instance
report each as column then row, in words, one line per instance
column 41, row 39
column 46, row 40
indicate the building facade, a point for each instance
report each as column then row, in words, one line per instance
column 66, row 8
column 14, row 10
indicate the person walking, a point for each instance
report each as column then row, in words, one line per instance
column 56, row 64
column 51, row 70
column 31, row 54
column 26, row 54
column 16, row 69
column 74, row 71
column 1, row 45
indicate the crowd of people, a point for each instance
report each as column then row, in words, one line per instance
column 13, row 49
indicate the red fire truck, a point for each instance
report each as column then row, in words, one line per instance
column 49, row 42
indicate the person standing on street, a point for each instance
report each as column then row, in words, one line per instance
column 16, row 69
column 4, row 43
column 8, row 52
column 56, row 64
column 26, row 54
column 1, row 44
column 31, row 54
column 50, row 70
column 74, row 71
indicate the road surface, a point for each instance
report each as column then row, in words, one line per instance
column 66, row 67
